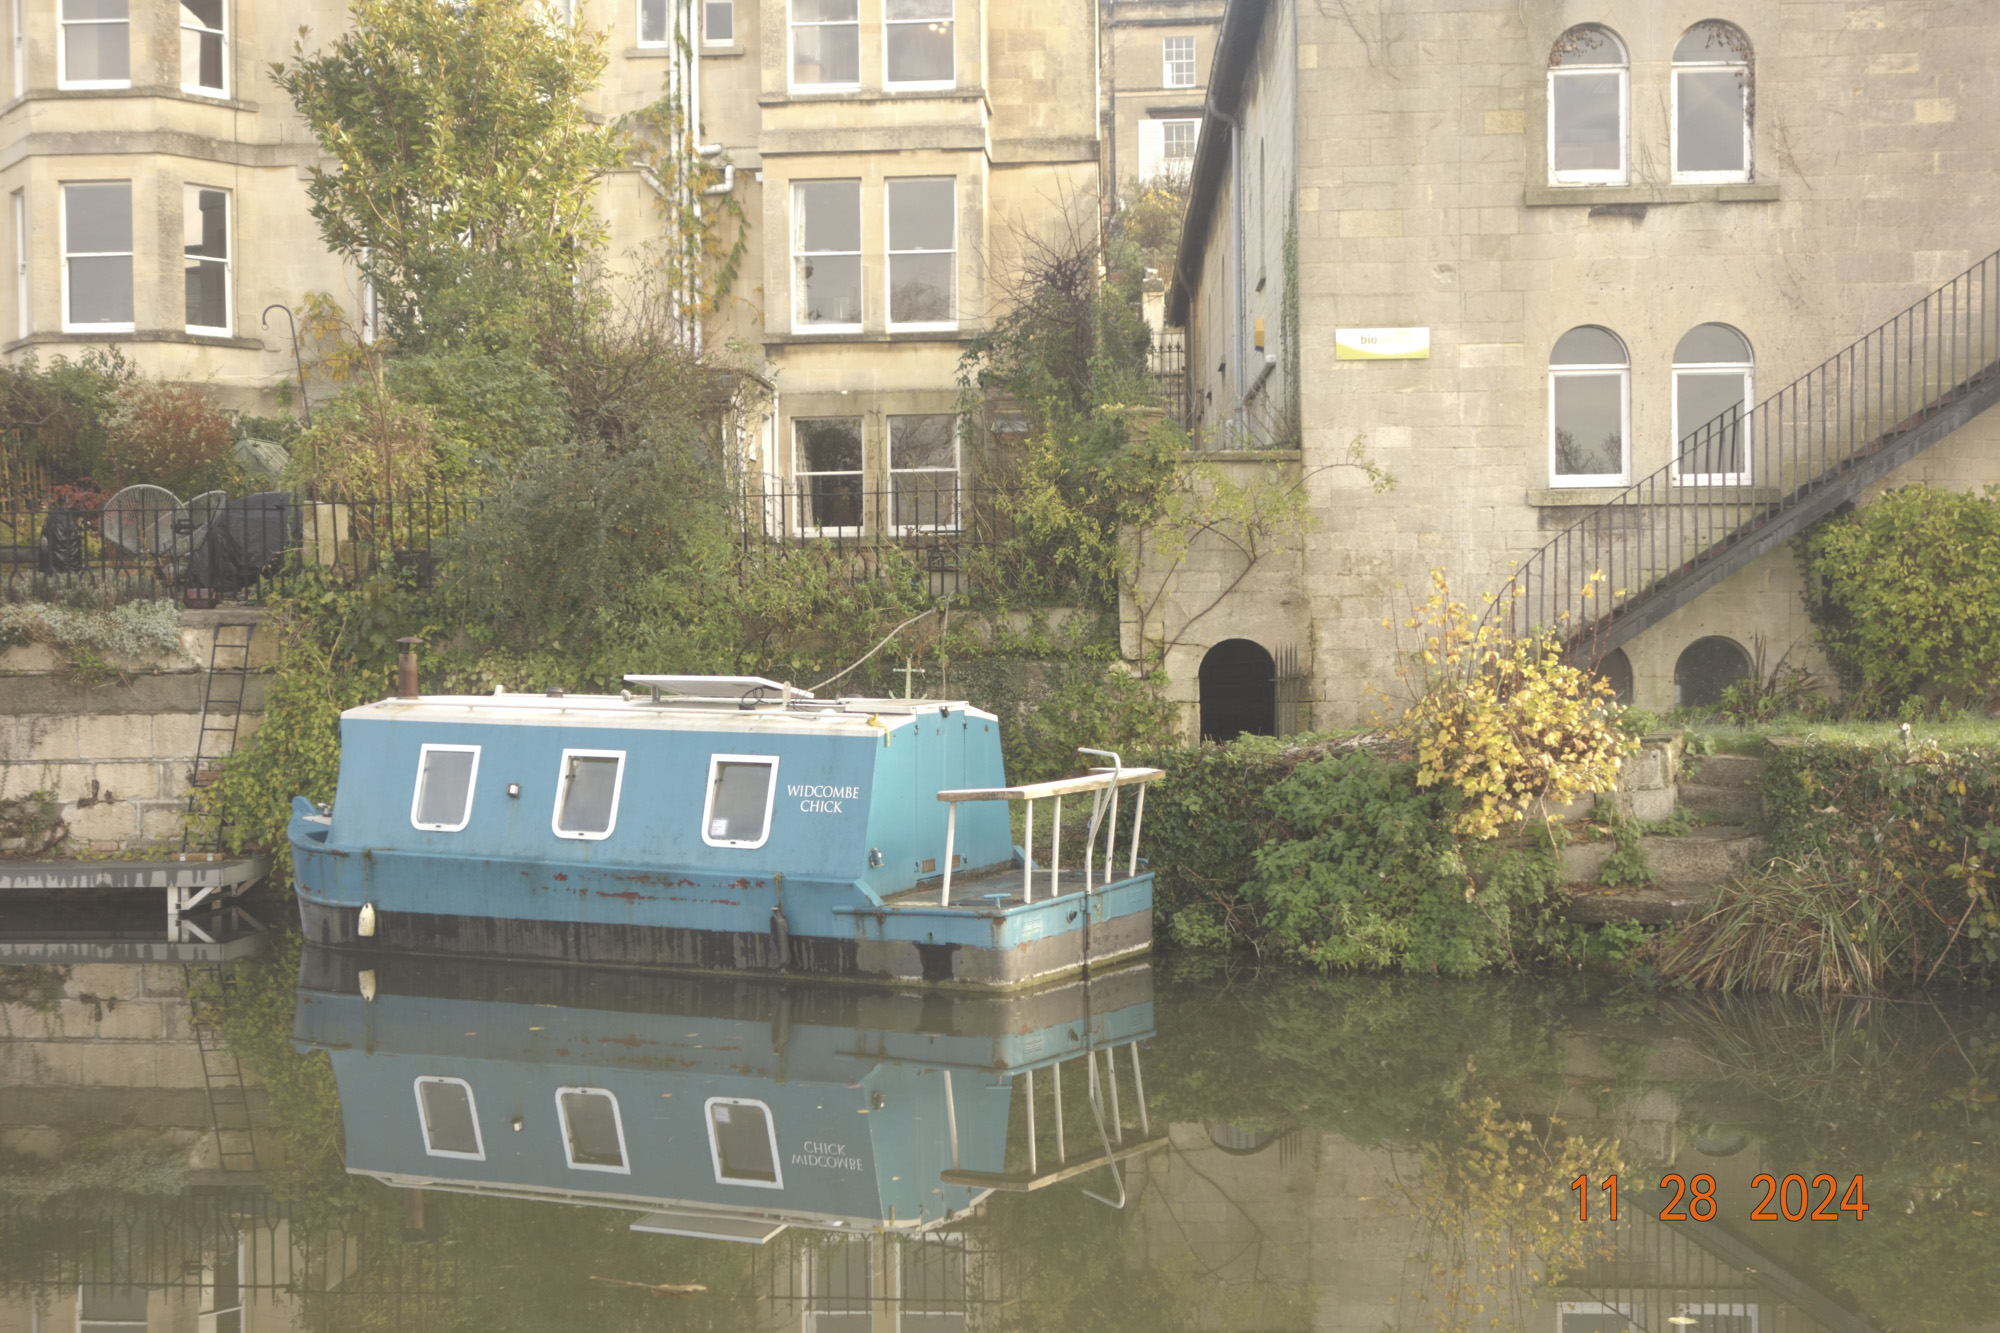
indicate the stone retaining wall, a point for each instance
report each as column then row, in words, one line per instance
column 117, row 757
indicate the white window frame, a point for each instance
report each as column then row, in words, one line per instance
column 919, row 85
column 62, row 231
column 799, row 321
column 63, row 26
column 471, row 787
column 1599, row 176
column 472, row 1105
column 666, row 37
column 1592, row 1307
column 957, row 464
column 889, row 268
column 23, row 310
column 20, row 49
column 562, row 793
column 715, row 761
column 800, row 478
column 1674, row 121
column 792, row 27
column 1748, row 369
column 1167, row 63
column 1624, row 475
column 708, row 8
column 715, row 1148
column 1751, row 1312
column 196, row 89
column 624, row 1168
column 228, row 260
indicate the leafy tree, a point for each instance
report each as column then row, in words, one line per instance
column 465, row 161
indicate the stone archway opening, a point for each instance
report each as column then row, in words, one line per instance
column 1239, row 691
column 1706, row 668
column 1615, row 670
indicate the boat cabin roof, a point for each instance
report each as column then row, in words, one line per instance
column 845, row 716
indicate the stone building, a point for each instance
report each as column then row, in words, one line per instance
column 1596, row 276
column 883, row 153
column 1157, row 55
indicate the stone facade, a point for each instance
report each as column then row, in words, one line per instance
column 1413, row 143
column 1002, row 106
column 117, row 756
column 1157, row 54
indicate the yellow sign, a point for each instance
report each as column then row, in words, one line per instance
column 1381, row 344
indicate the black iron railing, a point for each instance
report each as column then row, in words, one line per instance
column 935, row 517
column 1742, row 483
column 145, row 543
column 218, row 548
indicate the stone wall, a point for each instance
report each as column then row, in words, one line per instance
column 117, row 756
column 1423, row 201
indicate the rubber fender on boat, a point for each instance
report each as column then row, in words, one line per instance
column 781, row 937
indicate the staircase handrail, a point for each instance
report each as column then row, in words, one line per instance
column 1787, row 447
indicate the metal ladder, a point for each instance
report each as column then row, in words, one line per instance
column 221, row 716
column 222, row 1079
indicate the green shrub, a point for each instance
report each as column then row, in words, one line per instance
column 1905, row 594
column 127, row 630
column 1883, row 876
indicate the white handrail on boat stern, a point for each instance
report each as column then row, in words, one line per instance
column 1102, row 783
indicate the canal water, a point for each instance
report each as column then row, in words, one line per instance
column 248, row 1136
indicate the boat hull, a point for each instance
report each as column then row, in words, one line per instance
column 887, row 961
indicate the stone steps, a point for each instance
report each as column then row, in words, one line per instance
column 1720, row 792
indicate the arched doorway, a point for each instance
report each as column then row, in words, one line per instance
column 1615, row 670
column 1239, row 691
column 1706, row 668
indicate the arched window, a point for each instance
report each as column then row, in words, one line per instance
column 1239, row 691
column 1712, row 104
column 1590, row 393
column 1588, row 104
column 1713, row 381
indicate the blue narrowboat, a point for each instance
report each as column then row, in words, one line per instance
column 727, row 1108
column 728, row 823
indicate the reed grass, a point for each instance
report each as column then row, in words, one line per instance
column 1796, row 930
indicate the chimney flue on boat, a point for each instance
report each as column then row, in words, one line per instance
column 406, row 668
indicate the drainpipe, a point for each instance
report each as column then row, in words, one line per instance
column 1237, row 296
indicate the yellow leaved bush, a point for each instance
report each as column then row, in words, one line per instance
column 1503, row 718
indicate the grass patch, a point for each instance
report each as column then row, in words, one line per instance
column 1723, row 738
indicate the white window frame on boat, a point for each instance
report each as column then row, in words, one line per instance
column 624, row 1168
column 471, row 785
column 562, row 791
column 715, row 1149
column 715, row 761
column 424, row 1118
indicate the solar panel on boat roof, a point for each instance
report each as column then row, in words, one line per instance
column 712, row 687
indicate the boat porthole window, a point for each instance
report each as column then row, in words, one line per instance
column 741, row 788
column 593, row 1132
column 587, row 794
column 443, row 799
column 451, row 1124
column 743, row 1143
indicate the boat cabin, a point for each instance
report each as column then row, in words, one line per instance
column 717, row 822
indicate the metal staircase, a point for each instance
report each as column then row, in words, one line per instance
column 1748, row 481
column 221, row 717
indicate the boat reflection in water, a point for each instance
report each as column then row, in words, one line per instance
column 728, row 1109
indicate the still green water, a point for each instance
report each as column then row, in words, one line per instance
column 441, row 1146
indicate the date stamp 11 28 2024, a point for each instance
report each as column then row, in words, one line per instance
column 1791, row 1198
